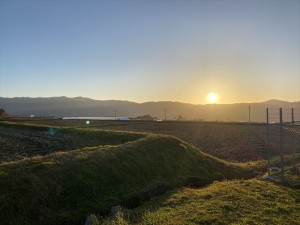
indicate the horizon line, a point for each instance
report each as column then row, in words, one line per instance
column 154, row 101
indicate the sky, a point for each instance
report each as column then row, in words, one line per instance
column 171, row 50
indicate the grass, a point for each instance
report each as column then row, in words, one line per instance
column 291, row 175
column 228, row 202
column 65, row 187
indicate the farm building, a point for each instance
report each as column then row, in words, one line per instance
column 96, row 118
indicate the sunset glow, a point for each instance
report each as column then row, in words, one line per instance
column 145, row 51
column 212, row 98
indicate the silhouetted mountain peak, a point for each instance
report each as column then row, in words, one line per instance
column 275, row 102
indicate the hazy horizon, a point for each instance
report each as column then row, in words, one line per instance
column 181, row 51
column 128, row 100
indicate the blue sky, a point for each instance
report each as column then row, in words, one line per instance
column 245, row 50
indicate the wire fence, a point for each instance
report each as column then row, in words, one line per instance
column 283, row 137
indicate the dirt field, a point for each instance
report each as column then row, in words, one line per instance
column 230, row 141
column 238, row 143
column 18, row 142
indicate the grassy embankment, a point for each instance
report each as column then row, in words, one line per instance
column 64, row 187
column 228, row 202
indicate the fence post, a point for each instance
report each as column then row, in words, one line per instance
column 281, row 147
column 268, row 142
column 293, row 132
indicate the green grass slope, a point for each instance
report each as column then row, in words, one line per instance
column 227, row 202
column 64, row 187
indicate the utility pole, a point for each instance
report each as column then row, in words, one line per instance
column 249, row 108
column 293, row 128
column 165, row 112
column 268, row 143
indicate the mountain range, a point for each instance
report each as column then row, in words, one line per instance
column 79, row 106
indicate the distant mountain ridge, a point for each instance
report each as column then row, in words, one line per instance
column 80, row 106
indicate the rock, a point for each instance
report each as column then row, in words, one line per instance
column 114, row 211
column 91, row 220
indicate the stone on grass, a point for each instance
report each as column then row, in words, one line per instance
column 91, row 220
column 114, row 211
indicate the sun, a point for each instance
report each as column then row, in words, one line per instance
column 212, row 98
